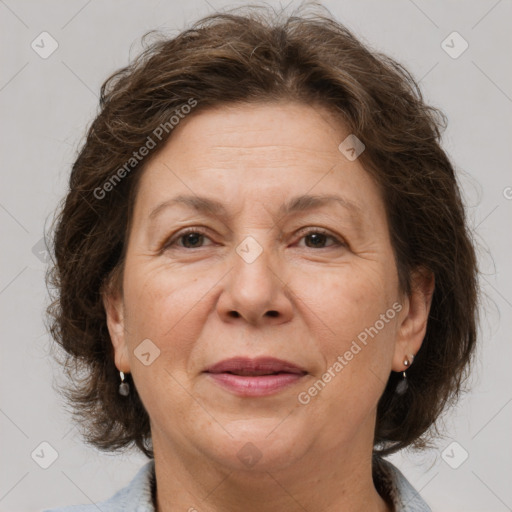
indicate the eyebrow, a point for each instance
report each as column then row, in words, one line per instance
column 296, row 204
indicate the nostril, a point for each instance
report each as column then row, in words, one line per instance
column 236, row 314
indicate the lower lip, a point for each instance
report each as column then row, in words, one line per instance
column 255, row 386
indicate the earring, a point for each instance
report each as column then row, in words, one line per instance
column 124, row 387
column 402, row 386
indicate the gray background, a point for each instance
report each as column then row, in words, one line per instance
column 46, row 105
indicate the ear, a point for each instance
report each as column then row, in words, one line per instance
column 113, row 303
column 414, row 318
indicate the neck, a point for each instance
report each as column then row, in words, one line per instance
column 339, row 478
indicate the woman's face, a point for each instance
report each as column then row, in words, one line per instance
column 268, row 274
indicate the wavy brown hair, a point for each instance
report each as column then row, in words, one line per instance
column 254, row 55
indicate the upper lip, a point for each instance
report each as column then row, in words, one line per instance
column 258, row 366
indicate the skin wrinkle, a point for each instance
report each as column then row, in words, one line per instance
column 324, row 298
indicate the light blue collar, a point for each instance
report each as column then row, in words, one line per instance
column 137, row 495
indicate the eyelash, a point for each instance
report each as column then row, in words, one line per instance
column 201, row 231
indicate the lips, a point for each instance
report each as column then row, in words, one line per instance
column 255, row 367
column 259, row 377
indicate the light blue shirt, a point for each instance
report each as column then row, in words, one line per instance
column 137, row 495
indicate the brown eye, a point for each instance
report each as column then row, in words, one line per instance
column 318, row 238
column 191, row 240
column 188, row 239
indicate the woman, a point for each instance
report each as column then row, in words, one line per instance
column 264, row 271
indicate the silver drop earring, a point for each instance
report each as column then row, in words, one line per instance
column 402, row 386
column 124, row 387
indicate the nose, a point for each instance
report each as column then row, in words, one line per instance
column 255, row 290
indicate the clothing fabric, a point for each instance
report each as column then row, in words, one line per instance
column 138, row 495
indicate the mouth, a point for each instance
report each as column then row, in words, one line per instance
column 255, row 377
column 247, row 367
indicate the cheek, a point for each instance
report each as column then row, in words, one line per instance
column 354, row 309
column 347, row 299
column 166, row 305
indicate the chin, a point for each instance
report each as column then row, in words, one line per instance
column 258, row 445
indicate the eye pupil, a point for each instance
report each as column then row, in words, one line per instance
column 192, row 238
column 316, row 238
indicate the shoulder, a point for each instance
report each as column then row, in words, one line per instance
column 403, row 495
column 135, row 497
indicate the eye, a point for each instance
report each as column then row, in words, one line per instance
column 318, row 237
column 191, row 238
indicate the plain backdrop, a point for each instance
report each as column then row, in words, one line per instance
column 46, row 105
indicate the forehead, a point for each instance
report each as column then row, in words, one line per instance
column 260, row 128
column 272, row 152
